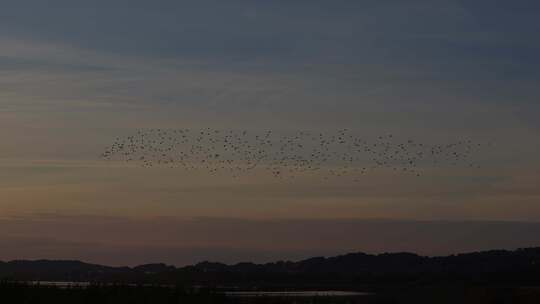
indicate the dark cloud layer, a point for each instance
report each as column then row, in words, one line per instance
column 75, row 75
column 182, row 241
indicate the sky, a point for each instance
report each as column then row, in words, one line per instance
column 76, row 75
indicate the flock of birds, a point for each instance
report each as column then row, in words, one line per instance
column 338, row 153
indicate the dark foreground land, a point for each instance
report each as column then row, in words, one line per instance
column 33, row 294
column 493, row 277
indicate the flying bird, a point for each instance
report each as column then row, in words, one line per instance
column 338, row 153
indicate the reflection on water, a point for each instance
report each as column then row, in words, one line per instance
column 330, row 296
column 325, row 293
column 60, row 284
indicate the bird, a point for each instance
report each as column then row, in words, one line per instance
column 338, row 153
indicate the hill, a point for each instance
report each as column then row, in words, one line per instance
column 521, row 266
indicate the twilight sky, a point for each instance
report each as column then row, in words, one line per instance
column 74, row 75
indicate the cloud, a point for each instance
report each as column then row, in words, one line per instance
column 75, row 76
column 182, row 241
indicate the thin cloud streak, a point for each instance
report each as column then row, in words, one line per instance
column 235, row 240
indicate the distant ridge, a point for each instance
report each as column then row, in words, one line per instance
column 521, row 265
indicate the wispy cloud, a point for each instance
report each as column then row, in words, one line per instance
column 183, row 241
column 74, row 76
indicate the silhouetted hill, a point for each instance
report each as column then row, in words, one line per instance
column 520, row 266
column 154, row 268
column 57, row 270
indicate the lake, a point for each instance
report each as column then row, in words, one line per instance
column 310, row 293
